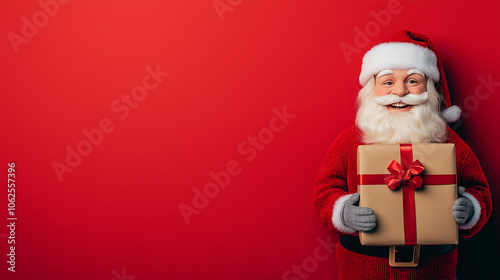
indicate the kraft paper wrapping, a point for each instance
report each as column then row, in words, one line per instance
column 434, row 220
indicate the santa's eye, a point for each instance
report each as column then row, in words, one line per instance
column 388, row 83
column 412, row 82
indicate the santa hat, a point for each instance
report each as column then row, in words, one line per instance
column 409, row 50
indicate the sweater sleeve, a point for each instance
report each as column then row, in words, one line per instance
column 471, row 177
column 331, row 188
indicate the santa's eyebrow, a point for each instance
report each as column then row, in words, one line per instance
column 384, row 72
column 416, row 71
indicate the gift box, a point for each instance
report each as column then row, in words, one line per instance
column 411, row 188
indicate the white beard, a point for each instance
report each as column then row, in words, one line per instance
column 422, row 124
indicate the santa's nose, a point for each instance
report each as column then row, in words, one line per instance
column 400, row 89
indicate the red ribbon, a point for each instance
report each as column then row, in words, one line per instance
column 409, row 216
column 406, row 177
column 407, row 174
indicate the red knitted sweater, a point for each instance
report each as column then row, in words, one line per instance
column 337, row 177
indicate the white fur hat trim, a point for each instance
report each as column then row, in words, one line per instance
column 397, row 55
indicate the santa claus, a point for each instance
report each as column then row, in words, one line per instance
column 404, row 99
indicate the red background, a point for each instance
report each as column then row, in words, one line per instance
column 119, row 208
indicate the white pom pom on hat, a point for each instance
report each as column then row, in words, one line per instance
column 407, row 50
column 451, row 114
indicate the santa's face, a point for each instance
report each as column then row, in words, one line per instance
column 400, row 83
column 400, row 106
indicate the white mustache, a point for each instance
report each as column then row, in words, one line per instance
column 410, row 99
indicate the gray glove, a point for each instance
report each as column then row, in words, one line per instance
column 355, row 217
column 463, row 209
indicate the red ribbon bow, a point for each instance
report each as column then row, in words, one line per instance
column 404, row 177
